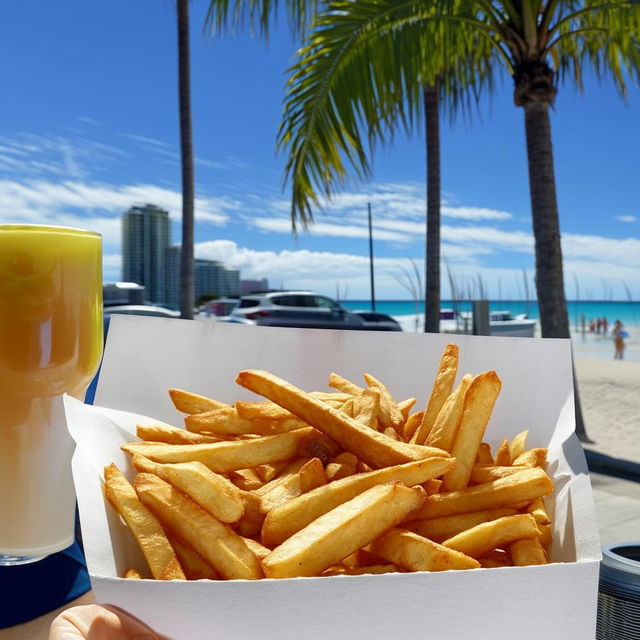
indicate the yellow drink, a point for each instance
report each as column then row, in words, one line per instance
column 50, row 343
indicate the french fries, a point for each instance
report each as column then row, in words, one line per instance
column 345, row 482
column 223, row 549
column 343, row 530
column 415, row 553
column 374, row 448
column 145, row 527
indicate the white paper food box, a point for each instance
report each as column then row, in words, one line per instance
column 144, row 357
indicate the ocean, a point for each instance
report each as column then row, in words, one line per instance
column 627, row 312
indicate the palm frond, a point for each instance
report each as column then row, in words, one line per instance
column 258, row 15
column 360, row 76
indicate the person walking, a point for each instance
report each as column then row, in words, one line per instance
column 619, row 334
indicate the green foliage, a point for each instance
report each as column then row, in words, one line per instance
column 360, row 73
column 229, row 15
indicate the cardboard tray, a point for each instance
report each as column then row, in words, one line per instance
column 146, row 356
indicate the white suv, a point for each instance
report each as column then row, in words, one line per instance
column 294, row 309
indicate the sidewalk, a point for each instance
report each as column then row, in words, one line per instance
column 617, row 508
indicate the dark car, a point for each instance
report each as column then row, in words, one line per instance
column 378, row 321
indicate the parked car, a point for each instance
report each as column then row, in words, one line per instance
column 378, row 321
column 304, row 309
column 141, row 310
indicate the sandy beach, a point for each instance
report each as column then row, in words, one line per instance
column 610, row 396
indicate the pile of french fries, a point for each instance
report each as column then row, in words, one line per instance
column 343, row 482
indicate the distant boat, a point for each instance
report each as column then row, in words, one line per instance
column 501, row 323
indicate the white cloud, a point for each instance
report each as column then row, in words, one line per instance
column 474, row 213
column 96, row 205
column 283, row 225
column 627, row 219
column 392, row 201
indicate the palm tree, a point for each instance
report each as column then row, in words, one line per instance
column 186, row 160
column 431, row 96
column 358, row 75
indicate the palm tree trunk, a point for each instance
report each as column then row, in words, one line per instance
column 554, row 316
column 186, row 157
column 432, row 260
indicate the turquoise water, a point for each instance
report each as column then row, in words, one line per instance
column 627, row 312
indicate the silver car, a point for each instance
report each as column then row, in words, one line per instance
column 304, row 309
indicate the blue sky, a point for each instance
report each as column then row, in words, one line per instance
column 89, row 127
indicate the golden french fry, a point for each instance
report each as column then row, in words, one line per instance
column 225, row 422
column 343, row 530
column 539, row 511
column 528, row 485
column 333, row 397
column 366, row 406
column 496, row 558
column 487, row 472
column 188, row 402
column 347, row 407
column 132, row 574
column 170, row 435
column 484, row 454
column 216, row 542
column 267, row 472
column 146, row 529
column 226, row 456
column 494, row 534
column 195, row 567
column 503, row 457
column 289, row 470
column 527, row 551
column 432, row 486
column 287, row 519
column 251, row 522
column 317, row 445
column 341, row 466
column 389, row 414
column 213, row 492
column 245, row 479
column 346, row 458
column 342, row 384
column 415, row 553
column 445, row 377
column 518, row 445
column 532, row 458
column 259, row 549
column 445, row 427
column 392, row 433
column 411, row 424
column 361, row 467
column 339, row 470
column 440, row 529
column 478, row 405
column 374, row 448
column 309, row 476
column 261, row 411
column 546, row 537
column 405, row 407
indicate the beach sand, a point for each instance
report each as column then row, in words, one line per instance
column 610, row 397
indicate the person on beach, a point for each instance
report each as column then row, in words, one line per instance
column 619, row 334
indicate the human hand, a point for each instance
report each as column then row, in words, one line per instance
column 96, row 622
